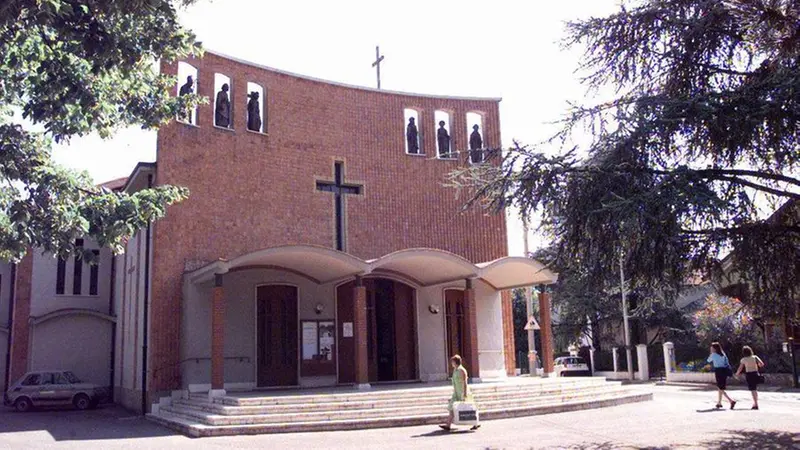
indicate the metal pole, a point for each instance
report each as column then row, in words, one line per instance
column 532, row 369
column 794, row 363
column 628, row 353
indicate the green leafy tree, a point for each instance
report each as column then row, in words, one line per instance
column 704, row 121
column 69, row 68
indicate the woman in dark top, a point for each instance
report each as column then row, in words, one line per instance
column 721, row 366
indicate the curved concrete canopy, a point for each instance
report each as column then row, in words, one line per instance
column 320, row 264
column 426, row 266
column 423, row 266
column 515, row 271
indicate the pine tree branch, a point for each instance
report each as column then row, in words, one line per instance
column 759, row 187
column 729, row 175
column 745, row 229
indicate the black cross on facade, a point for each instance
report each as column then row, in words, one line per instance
column 339, row 189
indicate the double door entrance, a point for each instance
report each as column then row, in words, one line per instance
column 391, row 331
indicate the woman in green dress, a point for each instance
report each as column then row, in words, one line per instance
column 460, row 390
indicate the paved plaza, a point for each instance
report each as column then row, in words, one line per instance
column 680, row 417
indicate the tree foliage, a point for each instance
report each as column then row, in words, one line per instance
column 724, row 319
column 70, row 68
column 583, row 311
column 703, row 128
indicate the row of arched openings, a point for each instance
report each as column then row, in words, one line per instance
column 444, row 145
column 225, row 100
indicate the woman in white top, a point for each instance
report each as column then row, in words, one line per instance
column 750, row 365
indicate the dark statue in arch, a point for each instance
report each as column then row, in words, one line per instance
column 444, row 140
column 476, row 145
column 222, row 111
column 187, row 89
column 253, row 112
column 412, row 137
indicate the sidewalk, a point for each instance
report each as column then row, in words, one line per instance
column 732, row 386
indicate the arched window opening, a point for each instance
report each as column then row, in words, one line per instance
column 187, row 84
column 256, row 120
column 475, row 133
column 443, row 142
column 413, row 132
column 223, row 116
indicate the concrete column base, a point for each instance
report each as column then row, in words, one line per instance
column 216, row 393
column 475, row 380
column 363, row 386
column 180, row 395
column 533, row 369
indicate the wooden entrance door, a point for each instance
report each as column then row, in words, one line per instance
column 405, row 331
column 455, row 323
column 277, row 339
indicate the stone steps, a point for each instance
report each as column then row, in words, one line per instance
column 406, row 410
column 276, row 412
column 278, row 398
column 481, row 397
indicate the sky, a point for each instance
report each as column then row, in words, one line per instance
column 504, row 48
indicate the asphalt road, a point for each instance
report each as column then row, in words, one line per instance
column 680, row 417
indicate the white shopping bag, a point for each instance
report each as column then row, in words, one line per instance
column 465, row 413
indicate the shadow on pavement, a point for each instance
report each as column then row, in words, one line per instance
column 440, row 432
column 766, row 440
column 105, row 422
column 601, row 446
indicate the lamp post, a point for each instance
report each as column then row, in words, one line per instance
column 532, row 369
column 794, row 363
column 628, row 353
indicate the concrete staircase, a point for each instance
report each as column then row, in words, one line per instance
column 345, row 409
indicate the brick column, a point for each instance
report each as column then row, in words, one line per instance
column 218, row 335
column 508, row 333
column 360, row 333
column 546, row 331
column 19, row 334
column 471, row 333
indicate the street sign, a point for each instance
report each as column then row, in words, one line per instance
column 532, row 324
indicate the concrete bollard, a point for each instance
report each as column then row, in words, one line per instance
column 669, row 360
column 644, row 365
column 591, row 360
column 616, row 358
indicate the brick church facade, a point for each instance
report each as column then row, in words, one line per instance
column 315, row 250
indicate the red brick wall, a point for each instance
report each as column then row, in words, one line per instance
column 251, row 191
